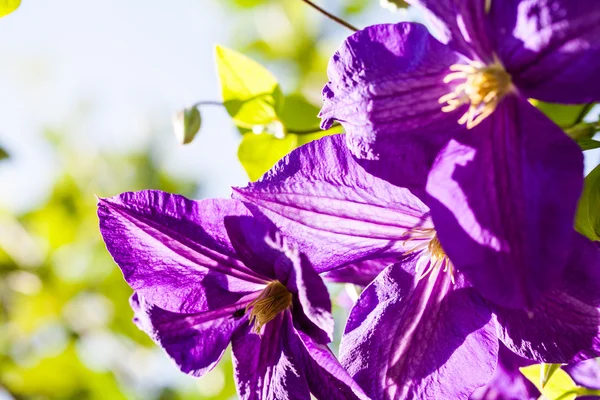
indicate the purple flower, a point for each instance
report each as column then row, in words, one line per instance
column 420, row 329
column 206, row 274
column 503, row 186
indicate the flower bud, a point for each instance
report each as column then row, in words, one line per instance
column 186, row 124
column 393, row 5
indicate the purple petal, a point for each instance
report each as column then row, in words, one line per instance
column 249, row 236
column 503, row 200
column 176, row 252
column 360, row 273
column 585, row 373
column 326, row 378
column 265, row 369
column 550, row 47
column 313, row 298
column 384, row 86
column 321, row 199
column 508, row 383
column 430, row 340
column 462, row 24
column 196, row 342
column 565, row 326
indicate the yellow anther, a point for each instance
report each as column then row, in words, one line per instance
column 482, row 88
column 271, row 301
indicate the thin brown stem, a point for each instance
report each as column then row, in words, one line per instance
column 331, row 16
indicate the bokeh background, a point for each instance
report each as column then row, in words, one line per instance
column 88, row 89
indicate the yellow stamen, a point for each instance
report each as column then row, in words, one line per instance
column 438, row 259
column 482, row 88
column 271, row 301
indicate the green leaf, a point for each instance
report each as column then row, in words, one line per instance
column 563, row 115
column 560, row 386
column 547, row 371
column 258, row 153
column 3, row 154
column 251, row 94
column 299, row 114
column 588, row 144
column 587, row 219
column 8, row 6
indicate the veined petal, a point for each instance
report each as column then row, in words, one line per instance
column 312, row 310
column 265, row 369
column 462, row 24
column 503, row 200
column 360, row 273
column 325, row 202
column 176, row 252
column 384, row 85
column 196, row 342
column 327, row 379
column 565, row 326
column 550, row 47
column 429, row 340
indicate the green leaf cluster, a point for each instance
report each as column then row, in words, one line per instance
column 272, row 125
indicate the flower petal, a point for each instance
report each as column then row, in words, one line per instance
column 585, row 373
column 327, row 379
column 384, row 86
column 176, row 252
column 550, row 47
column 503, row 199
column 321, row 199
column 508, row 383
column 313, row 309
column 565, row 326
column 196, row 342
column 265, row 369
column 427, row 340
column 462, row 24
column 361, row 273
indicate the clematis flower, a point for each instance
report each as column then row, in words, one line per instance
column 206, row 274
column 421, row 329
column 503, row 180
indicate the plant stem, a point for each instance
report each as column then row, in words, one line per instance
column 331, row 16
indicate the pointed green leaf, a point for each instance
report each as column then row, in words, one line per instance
column 547, row 371
column 563, row 115
column 587, row 219
column 251, row 94
column 258, row 153
column 560, row 386
column 8, row 6
column 588, row 144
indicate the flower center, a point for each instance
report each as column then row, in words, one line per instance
column 483, row 87
column 437, row 257
column 270, row 302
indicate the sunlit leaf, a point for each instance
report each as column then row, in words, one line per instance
column 258, row 153
column 563, row 115
column 299, row 114
column 559, row 386
column 8, row 6
column 587, row 219
column 250, row 92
